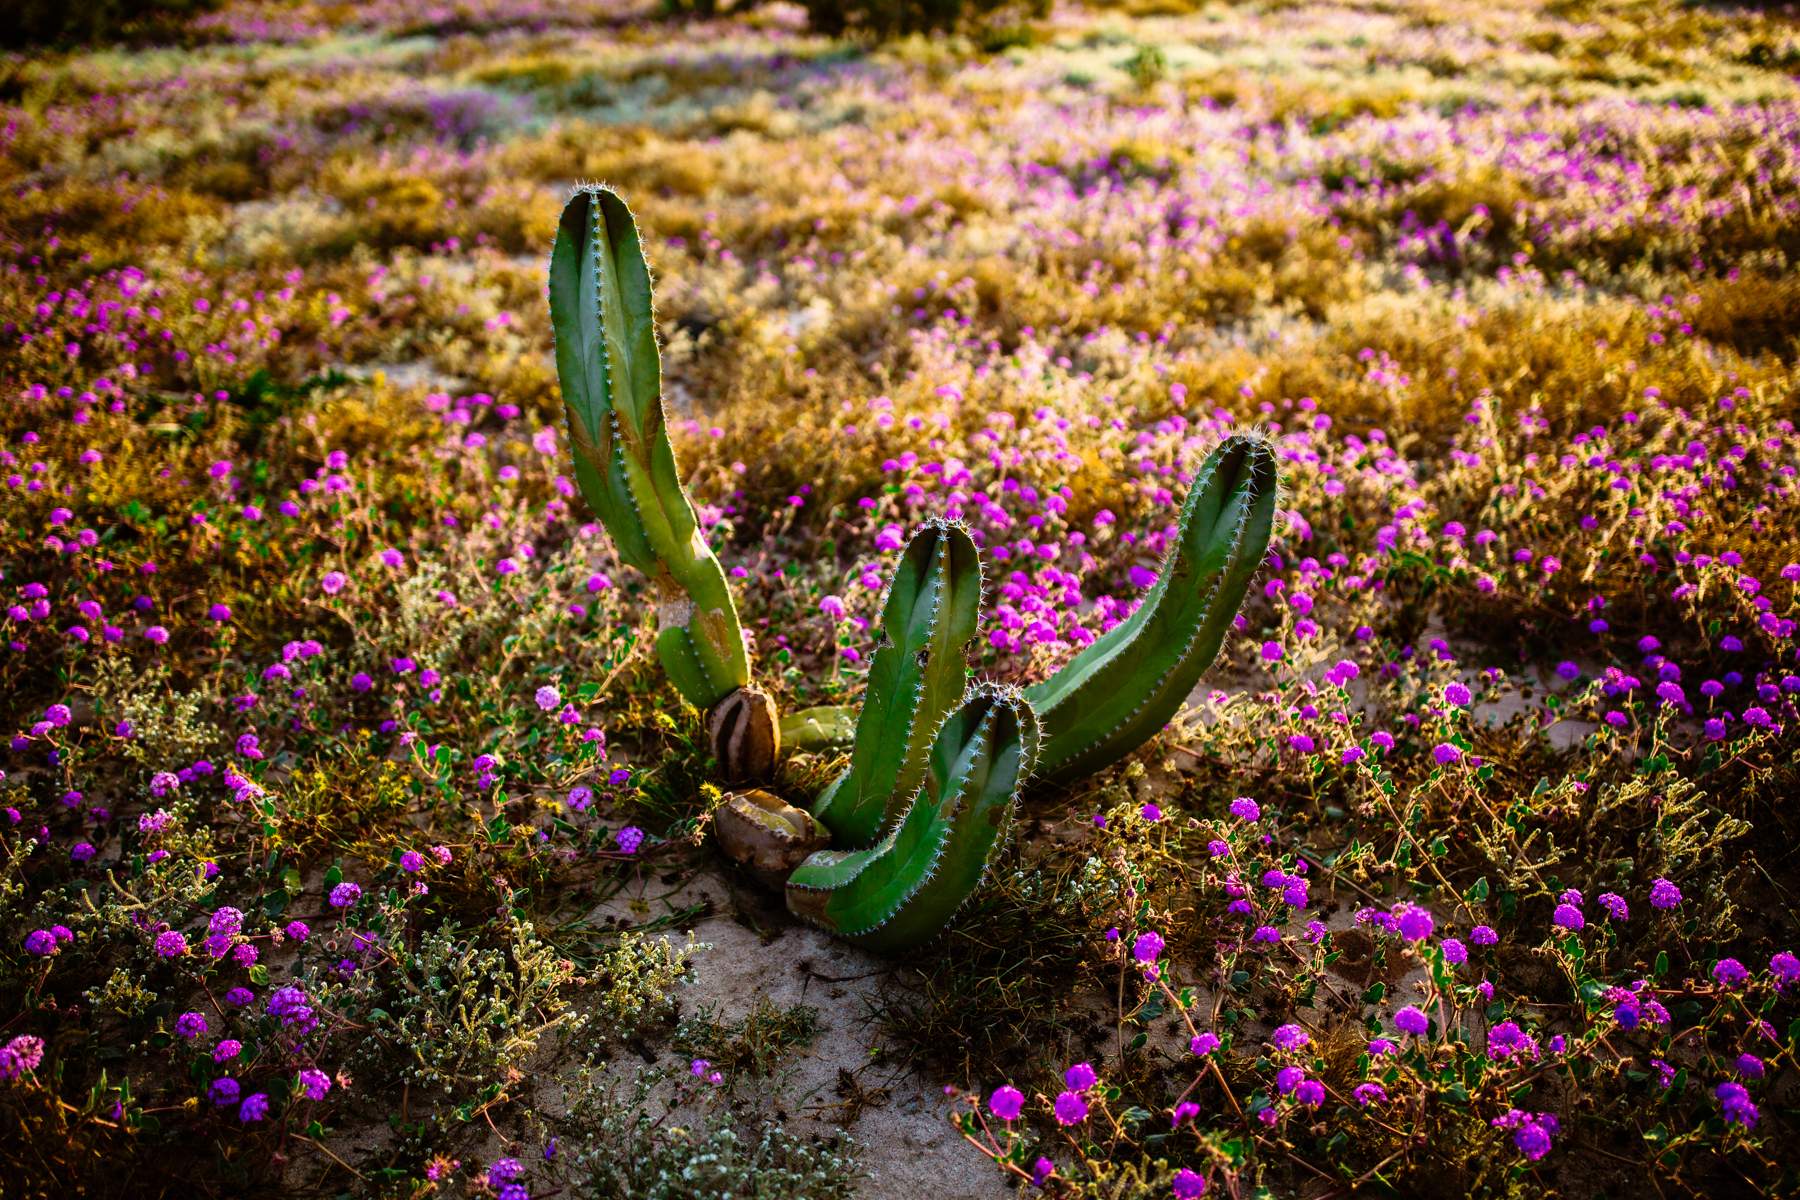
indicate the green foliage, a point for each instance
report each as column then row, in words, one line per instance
column 1148, row 67
column 466, row 1015
column 754, row 1045
column 637, row 980
column 617, row 1148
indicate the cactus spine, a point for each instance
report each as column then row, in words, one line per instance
column 917, row 675
column 900, row 892
column 607, row 358
column 1116, row 694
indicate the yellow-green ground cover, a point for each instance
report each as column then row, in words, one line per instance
column 350, row 838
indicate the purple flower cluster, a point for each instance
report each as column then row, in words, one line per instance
column 22, row 1054
column 1532, row 1132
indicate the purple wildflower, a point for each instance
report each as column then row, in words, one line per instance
column 1568, row 917
column 1189, row 1185
column 1070, row 1108
column 1415, row 923
column 23, row 1053
column 1411, row 1020
column 1739, row 1109
column 1289, row 1037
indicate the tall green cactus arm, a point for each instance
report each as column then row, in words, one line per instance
column 1116, row 694
column 917, row 675
column 902, row 891
column 606, row 356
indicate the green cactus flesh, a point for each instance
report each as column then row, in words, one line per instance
column 900, row 892
column 814, row 729
column 607, row 359
column 1116, row 694
column 916, row 676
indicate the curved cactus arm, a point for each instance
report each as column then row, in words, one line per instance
column 1116, row 694
column 916, row 676
column 607, row 359
column 813, row 729
column 902, row 891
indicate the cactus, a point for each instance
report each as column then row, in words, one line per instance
column 814, row 729
column 904, row 889
column 1118, row 692
column 746, row 733
column 917, row 675
column 775, row 836
column 935, row 770
column 607, row 358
